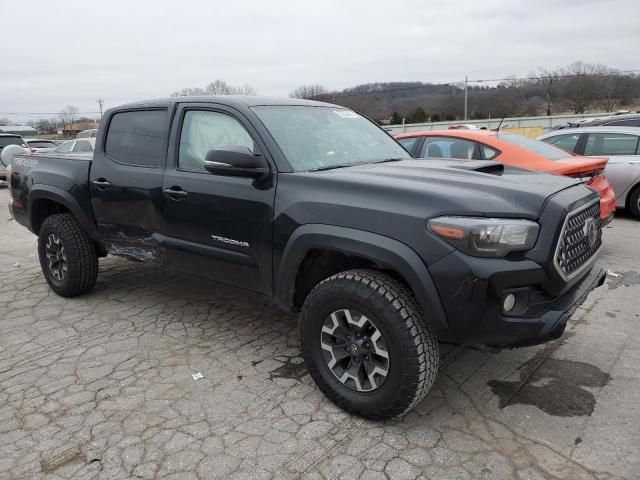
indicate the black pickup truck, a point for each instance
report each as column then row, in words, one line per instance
column 318, row 208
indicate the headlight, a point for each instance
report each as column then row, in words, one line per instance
column 486, row 237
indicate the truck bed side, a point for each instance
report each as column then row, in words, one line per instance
column 45, row 183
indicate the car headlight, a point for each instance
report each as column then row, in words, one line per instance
column 486, row 237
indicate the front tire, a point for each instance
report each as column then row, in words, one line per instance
column 67, row 255
column 367, row 345
column 634, row 202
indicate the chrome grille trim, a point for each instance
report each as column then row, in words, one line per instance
column 569, row 275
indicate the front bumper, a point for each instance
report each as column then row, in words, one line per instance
column 472, row 291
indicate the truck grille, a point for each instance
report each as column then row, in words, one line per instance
column 580, row 240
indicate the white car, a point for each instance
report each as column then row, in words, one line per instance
column 40, row 144
column 7, row 139
column 620, row 144
column 79, row 145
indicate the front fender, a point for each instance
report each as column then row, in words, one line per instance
column 64, row 198
column 384, row 251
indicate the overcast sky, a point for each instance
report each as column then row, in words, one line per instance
column 74, row 52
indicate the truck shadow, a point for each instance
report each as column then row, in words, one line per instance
column 557, row 387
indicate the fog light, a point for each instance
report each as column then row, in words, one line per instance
column 509, row 302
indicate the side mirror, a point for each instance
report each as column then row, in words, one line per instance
column 236, row 162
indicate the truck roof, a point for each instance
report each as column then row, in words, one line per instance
column 231, row 100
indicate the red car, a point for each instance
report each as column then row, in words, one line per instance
column 513, row 149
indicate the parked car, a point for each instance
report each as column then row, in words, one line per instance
column 91, row 133
column 355, row 236
column 83, row 145
column 40, row 145
column 624, row 120
column 7, row 139
column 620, row 144
column 513, row 149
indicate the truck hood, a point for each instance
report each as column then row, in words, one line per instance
column 453, row 186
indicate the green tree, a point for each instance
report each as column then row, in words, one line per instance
column 396, row 119
column 418, row 116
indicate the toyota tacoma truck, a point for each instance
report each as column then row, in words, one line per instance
column 316, row 207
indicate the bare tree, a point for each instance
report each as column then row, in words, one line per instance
column 188, row 92
column 547, row 79
column 68, row 115
column 217, row 87
column 580, row 85
column 309, row 91
column 4, row 121
column 246, row 89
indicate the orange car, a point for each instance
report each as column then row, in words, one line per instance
column 512, row 149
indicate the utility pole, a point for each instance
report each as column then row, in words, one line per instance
column 101, row 101
column 466, row 82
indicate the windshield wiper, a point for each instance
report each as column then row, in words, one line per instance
column 331, row 167
column 398, row 159
column 344, row 165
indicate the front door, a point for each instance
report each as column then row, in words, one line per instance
column 216, row 227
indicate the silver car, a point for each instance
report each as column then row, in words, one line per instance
column 620, row 144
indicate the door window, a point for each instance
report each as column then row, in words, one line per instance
column 444, row 147
column 137, row 137
column 567, row 142
column 203, row 131
column 611, row 144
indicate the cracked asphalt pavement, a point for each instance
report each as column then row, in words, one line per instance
column 101, row 386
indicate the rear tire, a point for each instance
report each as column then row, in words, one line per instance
column 67, row 256
column 366, row 344
column 634, row 202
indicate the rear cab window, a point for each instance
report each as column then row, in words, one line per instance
column 543, row 149
column 137, row 137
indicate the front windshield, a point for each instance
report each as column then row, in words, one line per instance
column 315, row 138
column 541, row 148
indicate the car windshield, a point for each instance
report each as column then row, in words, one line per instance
column 321, row 138
column 4, row 141
column 541, row 148
column 65, row 147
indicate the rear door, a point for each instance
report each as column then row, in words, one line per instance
column 217, row 227
column 623, row 151
column 126, row 181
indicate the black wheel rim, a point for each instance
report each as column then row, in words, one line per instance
column 56, row 257
column 354, row 350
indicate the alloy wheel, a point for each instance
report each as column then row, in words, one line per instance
column 354, row 350
column 56, row 257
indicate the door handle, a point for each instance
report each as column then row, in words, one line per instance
column 175, row 193
column 101, row 183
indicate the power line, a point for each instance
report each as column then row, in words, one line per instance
column 335, row 95
column 44, row 113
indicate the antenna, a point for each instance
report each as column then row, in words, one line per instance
column 500, row 124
